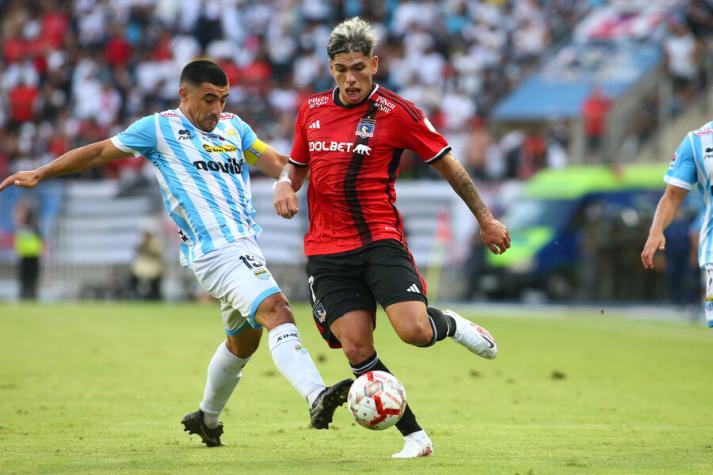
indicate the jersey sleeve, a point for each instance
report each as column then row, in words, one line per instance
column 139, row 138
column 247, row 140
column 682, row 171
column 247, row 135
column 419, row 135
column 299, row 155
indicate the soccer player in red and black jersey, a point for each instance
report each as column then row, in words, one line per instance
column 350, row 140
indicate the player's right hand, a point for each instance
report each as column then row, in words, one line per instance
column 495, row 236
column 28, row 179
column 655, row 242
column 285, row 200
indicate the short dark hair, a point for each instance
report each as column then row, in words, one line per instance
column 197, row 72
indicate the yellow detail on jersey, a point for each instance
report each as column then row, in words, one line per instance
column 219, row 148
column 255, row 151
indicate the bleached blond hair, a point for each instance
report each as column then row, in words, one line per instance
column 352, row 36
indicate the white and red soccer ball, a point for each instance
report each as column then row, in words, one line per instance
column 377, row 400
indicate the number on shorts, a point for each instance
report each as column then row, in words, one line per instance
column 249, row 261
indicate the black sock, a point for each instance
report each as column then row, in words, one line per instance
column 442, row 325
column 407, row 424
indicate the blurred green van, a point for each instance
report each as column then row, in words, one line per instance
column 560, row 216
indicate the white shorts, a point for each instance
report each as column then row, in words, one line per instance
column 236, row 275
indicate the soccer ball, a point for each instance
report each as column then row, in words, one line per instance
column 377, row 400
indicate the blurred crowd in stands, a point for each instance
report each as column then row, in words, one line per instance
column 73, row 72
column 686, row 49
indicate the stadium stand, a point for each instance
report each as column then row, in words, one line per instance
column 643, row 57
column 75, row 72
column 72, row 72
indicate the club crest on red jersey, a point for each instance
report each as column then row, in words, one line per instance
column 365, row 128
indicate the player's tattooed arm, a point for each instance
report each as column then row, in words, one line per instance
column 463, row 185
column 494, row 234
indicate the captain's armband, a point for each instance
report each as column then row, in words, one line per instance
column 255, row 151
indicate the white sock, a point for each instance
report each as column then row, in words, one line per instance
column 294, row 362
column 224, row 372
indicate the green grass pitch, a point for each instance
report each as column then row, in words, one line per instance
column 101, row 388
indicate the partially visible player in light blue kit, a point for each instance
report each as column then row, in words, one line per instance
column 692, row 164
column 200, row 155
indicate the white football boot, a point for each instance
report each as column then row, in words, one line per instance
column 415, row 445
column 474, row 337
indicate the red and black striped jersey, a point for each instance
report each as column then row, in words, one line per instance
column 353, row 153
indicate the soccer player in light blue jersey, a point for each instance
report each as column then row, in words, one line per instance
column 200, row 155
column 692, row 164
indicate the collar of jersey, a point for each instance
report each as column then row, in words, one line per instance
column 338, row 101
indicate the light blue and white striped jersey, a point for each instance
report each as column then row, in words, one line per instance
column 692, row 164
column 203, row 176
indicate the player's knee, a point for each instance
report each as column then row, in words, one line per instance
column 357, row 352
column 240, row 347
column 417, row 333
column 274, row 311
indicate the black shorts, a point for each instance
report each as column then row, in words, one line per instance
column 382, row 272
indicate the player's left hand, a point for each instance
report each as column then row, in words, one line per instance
column 495, row 235
column 285, row 200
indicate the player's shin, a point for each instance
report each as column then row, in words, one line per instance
column 407, row 424
column 294, row 362
column 224, row 372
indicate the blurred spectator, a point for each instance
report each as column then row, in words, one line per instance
column 22, row 100
column 147, row 269
column 117, row 50
column 682, row 55
column 495, row 163
column 699, row 18
column 534, row 151
column 511, row 145
column 28, row 246
column 557, row 145
column 594, row 114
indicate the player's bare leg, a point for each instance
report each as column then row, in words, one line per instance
column 355, row 331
